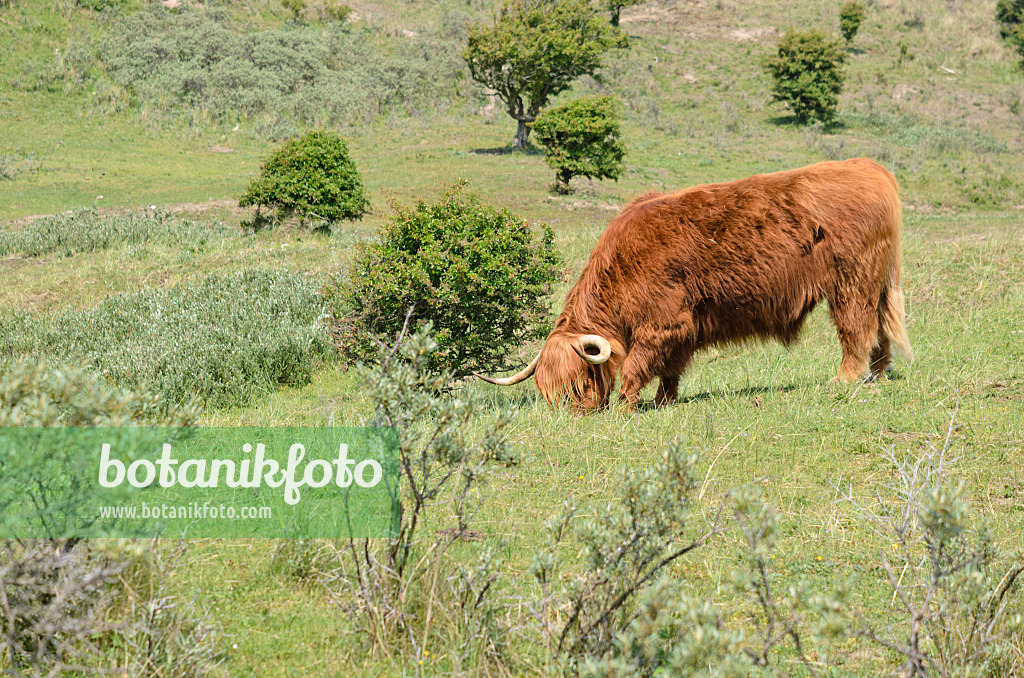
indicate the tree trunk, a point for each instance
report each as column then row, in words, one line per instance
column 522, row 134
column 615, row 16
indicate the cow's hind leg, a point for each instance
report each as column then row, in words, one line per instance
column 857, row 326
column 668, row 391
column 880, row 357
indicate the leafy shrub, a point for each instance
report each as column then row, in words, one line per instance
column 225, row 340
column 1010, row 17
column 312, row 176
column 850, row 18
column 581, row 138
column 90, row 231
column 296, row 7
column 336, row 11
column 480, row 275
column 13, row 165
column 808, row 75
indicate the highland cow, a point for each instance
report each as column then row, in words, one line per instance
column 723, row 263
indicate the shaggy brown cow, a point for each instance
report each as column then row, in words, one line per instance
column 721, row 263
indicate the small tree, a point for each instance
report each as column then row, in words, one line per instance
column 311, row 176
column 1010, row 17
column 850, row 18
column 481, row 275
column 616, row 7
column 296, row 7
column 808, row 74
column 581, row 138
column 535, row 49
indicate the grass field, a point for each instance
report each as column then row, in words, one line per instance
column 947, row 117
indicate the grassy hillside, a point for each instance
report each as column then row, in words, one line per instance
column 932, row 93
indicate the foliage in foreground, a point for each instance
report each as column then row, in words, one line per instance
column 90, row 231
column 481, row 276
column 57, row 594
column 311, row 176
column 581, row 139
column 535, row 50
column 808, row 75
column 224, row 340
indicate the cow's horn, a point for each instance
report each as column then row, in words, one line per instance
column 525, row 374
column 593, row 341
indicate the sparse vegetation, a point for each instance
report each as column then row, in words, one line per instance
column 480, row 275
column 90, row 231
column 581, row 139
column 534, row 51
column 808, row 75
column 311, row 176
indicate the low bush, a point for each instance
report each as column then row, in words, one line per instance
column 808, row 75
column 311, row 176
column 480, row 275
column 90, row 231
column 225, row 339
column 581, row 139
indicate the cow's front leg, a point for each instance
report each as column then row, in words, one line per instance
column 668, row 389
column 637, row 372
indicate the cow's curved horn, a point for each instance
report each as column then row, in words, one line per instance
column 593, row 341
column 525, row 374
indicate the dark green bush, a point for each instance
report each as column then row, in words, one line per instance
column 224, row 340
column 808, row 74
column 581, row 139
column 1010, row 17
column 313, row 177
column 850, row 18
column 89, row 231
column 481, row 275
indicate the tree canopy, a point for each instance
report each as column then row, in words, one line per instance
column 534, row 50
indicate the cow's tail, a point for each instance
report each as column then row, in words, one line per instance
column 891, row 311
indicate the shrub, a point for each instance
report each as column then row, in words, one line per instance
column 808, row 75
column 296, row 7
column 336, row 11
column 90, row 231
column 850, row 18
column 480, row 275
column 312, row 176
column 581, row 138
column 224, row 340
column 1010, row 17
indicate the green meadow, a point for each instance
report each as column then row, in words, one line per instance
column 150, row 172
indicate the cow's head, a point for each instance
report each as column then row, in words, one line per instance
column 579, row 368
